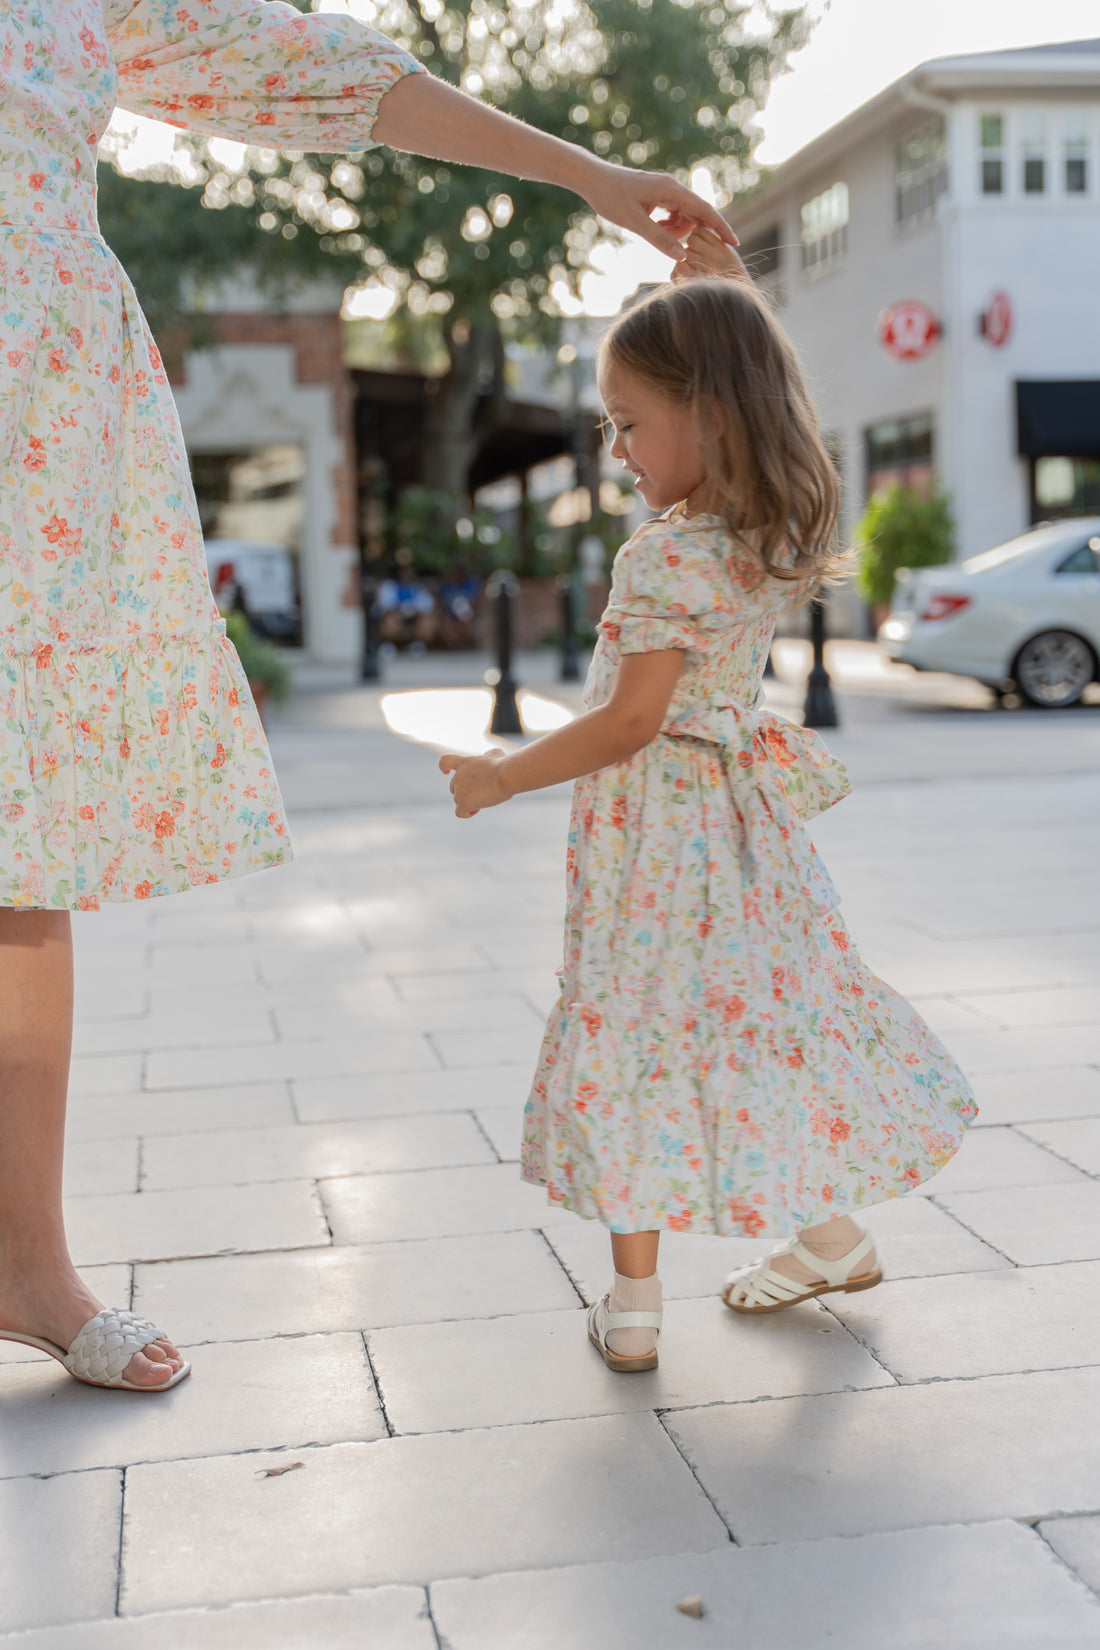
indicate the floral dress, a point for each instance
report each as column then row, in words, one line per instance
column 719, row 1059
column 131, row 758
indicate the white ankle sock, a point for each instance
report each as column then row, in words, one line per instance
column 634, row 1295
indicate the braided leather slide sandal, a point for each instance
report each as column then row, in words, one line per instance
column 103, row 1348
column 760, row 1288
column 601, row 1321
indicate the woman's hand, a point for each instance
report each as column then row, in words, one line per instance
column 628, row 198
column 705, row 254
column 478, row 782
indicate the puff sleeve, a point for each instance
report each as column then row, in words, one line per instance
column 254, row 70
column 668, row 590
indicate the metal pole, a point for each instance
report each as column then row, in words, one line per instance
column 570, row 670
column 370, row 660
column 820, row 708
column 503, row 588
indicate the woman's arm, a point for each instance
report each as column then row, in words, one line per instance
column 430, row 117
column 612, row 733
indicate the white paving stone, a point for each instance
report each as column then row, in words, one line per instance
column 1055, row 1006
column 1077, row 1541
column 318, row 1290
column 450, row 1376
column 503, row 1125
column 408, row 1509
column 201, row 1220
column 435, row 1203
column 1034, row 1226
column 1033, row 1096
column 976, row 1587
column 59, row 1560
column 480, row 1015
column 240, row 1106
column 99, row 1074
column 323, row 1099
column 996, row 1157
column 241, row 1396
column 101, row 1166
column 170, row 1029
column 520, row 1047
column 1077, row 1140
column 268, row 1062
column 383, row 1618
column 313, row 1150
column 987, row 1323
column 1003, row 1446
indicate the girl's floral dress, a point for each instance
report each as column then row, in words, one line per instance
column 719, row 1059
column 131, row 757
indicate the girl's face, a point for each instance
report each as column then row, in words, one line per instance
column 657, row 439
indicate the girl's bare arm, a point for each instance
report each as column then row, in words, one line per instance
column 425, row 115
column 612, row 733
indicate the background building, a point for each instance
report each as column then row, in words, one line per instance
column 936, row 258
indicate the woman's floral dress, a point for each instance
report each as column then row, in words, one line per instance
column 131, row 757
column 719, row 1059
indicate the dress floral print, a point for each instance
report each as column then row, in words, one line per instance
column 132, row 762
column 719, row 1059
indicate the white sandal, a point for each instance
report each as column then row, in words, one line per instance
column 601, row 1320
column 103, row 1348
column 760, row 1288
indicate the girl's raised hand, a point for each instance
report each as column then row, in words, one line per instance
column 478, row 782
column 705, row 254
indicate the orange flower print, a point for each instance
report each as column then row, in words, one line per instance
column 35, row 456
column 593, row 1020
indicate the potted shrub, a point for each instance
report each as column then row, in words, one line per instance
column 266, row 666
column 900, row 528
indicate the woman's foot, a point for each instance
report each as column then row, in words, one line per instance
column 56, row 1306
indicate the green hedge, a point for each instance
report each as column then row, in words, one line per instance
column 901, row 528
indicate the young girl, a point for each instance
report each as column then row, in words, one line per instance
column 719, row 1059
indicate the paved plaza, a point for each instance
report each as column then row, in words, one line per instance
column 295, row 1117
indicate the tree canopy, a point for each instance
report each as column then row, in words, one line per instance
column 665, row 84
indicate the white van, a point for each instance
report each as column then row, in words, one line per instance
column 259, row 577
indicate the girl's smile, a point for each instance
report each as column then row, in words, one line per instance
column 657, row 439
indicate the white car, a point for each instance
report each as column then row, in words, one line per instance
column 259, row 578
column 1025, row 615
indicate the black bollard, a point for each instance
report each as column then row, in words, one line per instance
column 570, row 670
column 820, row 707
column 503, row 588
column 370, row 659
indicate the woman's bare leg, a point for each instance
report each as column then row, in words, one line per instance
column 40, row 1291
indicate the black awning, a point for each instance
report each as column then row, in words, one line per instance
column 1058, row 417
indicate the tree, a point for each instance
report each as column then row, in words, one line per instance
column 667, row 84
column 901, row 527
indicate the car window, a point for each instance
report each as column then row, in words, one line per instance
column 1041, row 538
column 1082, row 560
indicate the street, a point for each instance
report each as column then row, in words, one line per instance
column 296, row 1107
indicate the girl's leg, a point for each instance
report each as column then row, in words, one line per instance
column 40, row 1290
column 832, row 1240
column 636, row 1288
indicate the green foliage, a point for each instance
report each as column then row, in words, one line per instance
column 665, row 85
column 430, row 524
column 901, row 528
column 261, row 660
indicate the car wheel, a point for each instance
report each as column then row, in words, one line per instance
column 1054, row 669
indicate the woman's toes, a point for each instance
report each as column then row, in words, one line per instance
column 150, row 1368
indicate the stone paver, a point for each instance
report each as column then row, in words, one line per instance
column 928, row 1589
column 409, row 1509
column 296, row 1112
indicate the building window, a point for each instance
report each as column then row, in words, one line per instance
column 1034, row 153
column 1066, row 487
column 1075, row 138
column 920, row 173
column 899, row 454
column 825, row 229
column 992, row 129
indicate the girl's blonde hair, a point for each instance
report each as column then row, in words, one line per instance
column 714, row 344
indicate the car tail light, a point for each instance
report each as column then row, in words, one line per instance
column 943, row 607
column 225, row 576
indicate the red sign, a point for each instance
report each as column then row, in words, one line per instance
column 995, row 321
column 908, row 329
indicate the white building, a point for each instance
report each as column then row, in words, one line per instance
column 936, row 258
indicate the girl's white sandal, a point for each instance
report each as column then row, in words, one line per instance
column 601, row 1321
column 102, row 1349
column 760, row 1288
